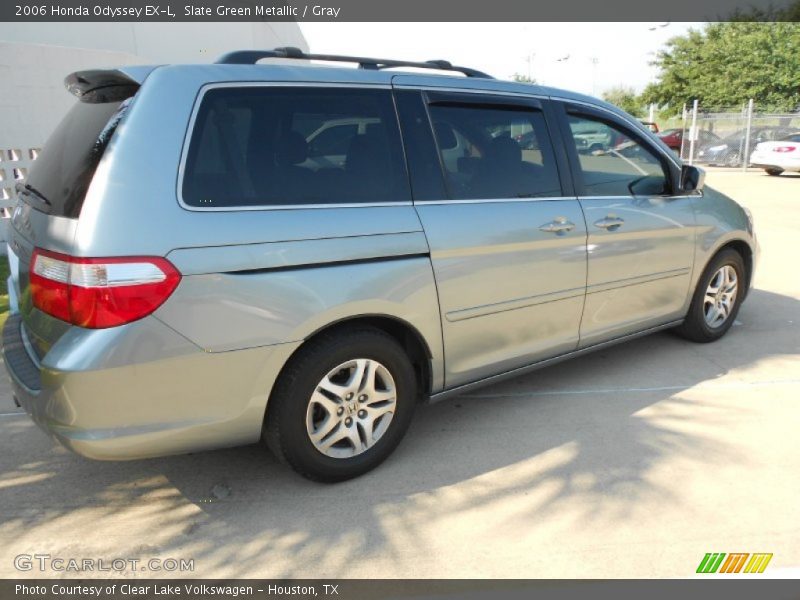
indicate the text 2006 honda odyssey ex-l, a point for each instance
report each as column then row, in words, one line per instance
column 209, row 255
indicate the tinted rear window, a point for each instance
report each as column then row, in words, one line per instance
column 273, row 146
column 62, row 173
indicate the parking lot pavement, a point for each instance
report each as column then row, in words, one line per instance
column 631, row 462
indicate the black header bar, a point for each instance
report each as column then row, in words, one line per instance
column 395, row 10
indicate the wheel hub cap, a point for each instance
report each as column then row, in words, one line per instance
column 720, row 296
column 351, row 408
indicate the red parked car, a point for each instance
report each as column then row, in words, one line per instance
column 674, row 137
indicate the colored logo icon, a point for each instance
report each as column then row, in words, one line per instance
column 737, row 562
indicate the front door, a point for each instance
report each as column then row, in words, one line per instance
column 641, row 235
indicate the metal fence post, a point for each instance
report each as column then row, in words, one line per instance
column 746, row 154
column 693, row 132
column 684, row 116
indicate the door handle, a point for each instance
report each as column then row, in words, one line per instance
column 559, row 226
column 610, row 223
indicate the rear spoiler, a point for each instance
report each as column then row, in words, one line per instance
column 96, row 86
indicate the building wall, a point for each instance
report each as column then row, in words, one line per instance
column 158, row 42
column 35, row 58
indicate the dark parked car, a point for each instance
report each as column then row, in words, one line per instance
column 729, row 150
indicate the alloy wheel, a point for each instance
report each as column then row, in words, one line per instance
column 720, row 296
column 351, row 408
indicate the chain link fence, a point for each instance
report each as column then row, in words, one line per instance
column 725, row 139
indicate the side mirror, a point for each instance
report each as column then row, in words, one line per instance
column 692, row 178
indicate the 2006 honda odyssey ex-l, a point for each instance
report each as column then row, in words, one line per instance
column 210, row 255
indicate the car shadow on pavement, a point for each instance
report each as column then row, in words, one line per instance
column 785, row 175
column 581, row 438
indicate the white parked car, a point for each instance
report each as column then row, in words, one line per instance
column 779, row 156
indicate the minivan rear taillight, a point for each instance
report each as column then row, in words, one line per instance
column 100, row 292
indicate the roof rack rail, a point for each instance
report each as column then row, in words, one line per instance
column 251, row 57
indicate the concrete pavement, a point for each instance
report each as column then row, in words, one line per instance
column 631, row 462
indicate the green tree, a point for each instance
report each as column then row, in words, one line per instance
column 523, row 78
column 725, row 64
column 625, row 98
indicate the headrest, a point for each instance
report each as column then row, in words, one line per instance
column 445, row 136
column 363, row 146
column 291, row 149
column 504, row 149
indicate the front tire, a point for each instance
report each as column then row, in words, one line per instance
column 716, row 299
column 774, row 172
column 341, row 405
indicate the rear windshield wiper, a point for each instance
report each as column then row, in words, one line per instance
column 32, row 191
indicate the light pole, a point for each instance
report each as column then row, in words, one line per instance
column 529, row 59
column 652, row 115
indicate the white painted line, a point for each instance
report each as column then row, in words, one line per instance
column 16, row 414
column 666, row 388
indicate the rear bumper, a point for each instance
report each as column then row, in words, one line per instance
column 771, row 161
column 24, row 370
column 141, row 390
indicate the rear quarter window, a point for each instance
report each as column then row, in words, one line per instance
column 267, row 146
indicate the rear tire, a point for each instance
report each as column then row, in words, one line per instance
column 341, row 405
column 716, row 299
column 774, row 172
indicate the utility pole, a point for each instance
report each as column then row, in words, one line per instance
column 745, row 155
column 529, row 59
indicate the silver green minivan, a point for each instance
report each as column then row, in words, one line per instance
column 212, row 255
